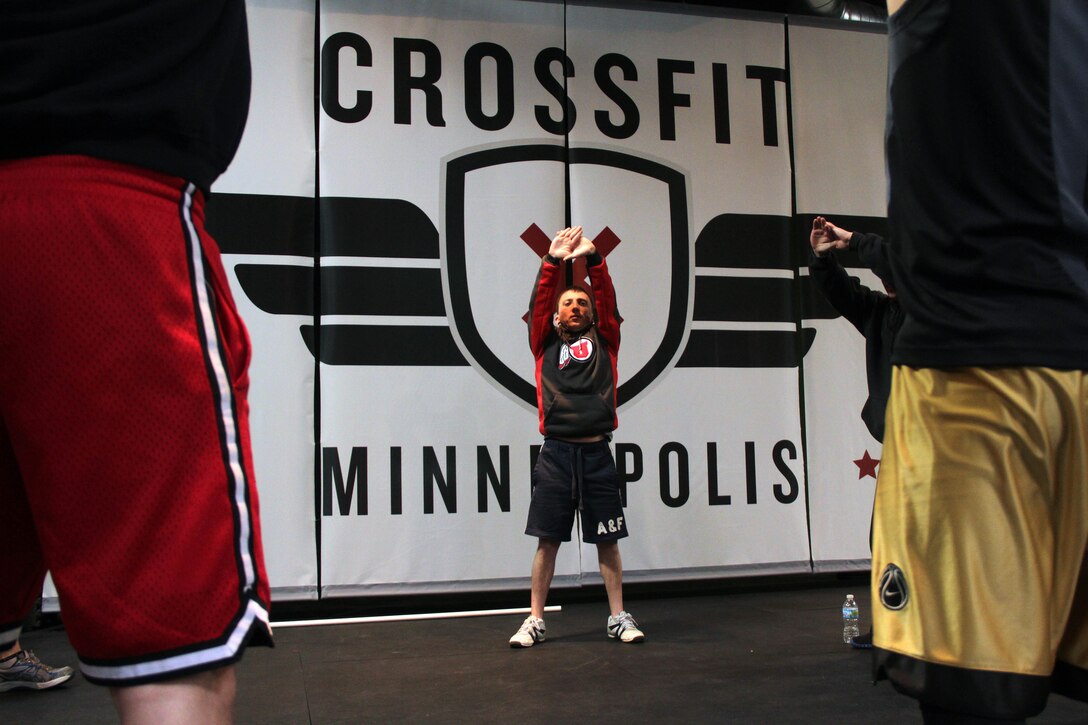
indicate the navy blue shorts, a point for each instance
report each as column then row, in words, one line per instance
column 571, row 477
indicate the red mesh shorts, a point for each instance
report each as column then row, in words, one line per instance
column 125, row 463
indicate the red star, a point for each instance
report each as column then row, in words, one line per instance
column 535, row 238
column 866, row 465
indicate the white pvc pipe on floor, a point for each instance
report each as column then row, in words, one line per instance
column 408, row 617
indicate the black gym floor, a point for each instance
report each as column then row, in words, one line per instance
column 753, row 651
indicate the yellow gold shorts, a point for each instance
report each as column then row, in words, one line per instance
column 980, row 580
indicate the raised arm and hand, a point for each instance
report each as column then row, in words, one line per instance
column 846, row 294
column 825, row 236
column 570, row 244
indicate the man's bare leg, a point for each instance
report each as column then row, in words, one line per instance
column 608, row 558
column 543, row 570
column 206, row 697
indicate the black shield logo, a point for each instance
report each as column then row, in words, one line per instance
column 487, row 271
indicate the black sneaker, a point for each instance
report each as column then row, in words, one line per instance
column 862, row 641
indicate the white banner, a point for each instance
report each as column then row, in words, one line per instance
column 267, row 197
column 463, row 126
column 452, row 140
column 839, row 78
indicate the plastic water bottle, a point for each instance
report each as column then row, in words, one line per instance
column 849, row 619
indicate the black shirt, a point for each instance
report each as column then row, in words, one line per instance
column 987, row 151
column 163, row 85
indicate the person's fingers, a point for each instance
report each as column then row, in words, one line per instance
column 584, row 247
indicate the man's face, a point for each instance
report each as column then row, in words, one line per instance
column 574, row 313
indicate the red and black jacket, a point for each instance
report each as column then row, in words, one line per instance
column 575, row 379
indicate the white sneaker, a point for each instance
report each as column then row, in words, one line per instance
column 624, row 627
column 531, row 632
